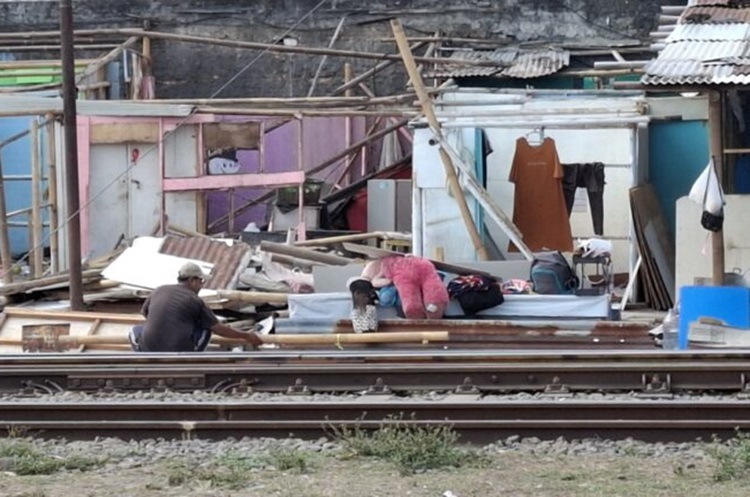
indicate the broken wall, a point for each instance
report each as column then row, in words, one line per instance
column 194, row 70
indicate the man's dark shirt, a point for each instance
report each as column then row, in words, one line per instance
column 173, row 313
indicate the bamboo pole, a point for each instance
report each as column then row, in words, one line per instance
column 68, row 316
column 105, row 59
column 271, row 47
column 286, row 339
column 36, row 205
column 4, row 236
column 297, row 113
column 90, row 332
column 294, row 102
column 54, row 240
column 23, row 286
column 370, row 72
column 429, row 111
column 304, row 253
column 29, row 35
column 351, row 238
column 350, row 161
column 335, row 37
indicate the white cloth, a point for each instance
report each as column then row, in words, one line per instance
column 707, row 191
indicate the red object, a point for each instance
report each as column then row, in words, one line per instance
column 134, row 155
column 356, row 213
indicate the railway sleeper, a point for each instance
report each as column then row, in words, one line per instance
column 656, row 386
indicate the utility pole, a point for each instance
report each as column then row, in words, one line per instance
column 71, row 154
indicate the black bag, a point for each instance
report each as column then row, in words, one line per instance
column 552, row 275
column 712, row 222
column 473, row 302
column 475, row 293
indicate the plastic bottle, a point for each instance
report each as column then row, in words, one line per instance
column 671, row 331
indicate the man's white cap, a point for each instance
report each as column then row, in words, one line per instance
column 191, row 270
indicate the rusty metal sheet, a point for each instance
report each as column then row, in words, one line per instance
column 714, row 14
column 503, row 57
column 512, row 63
column 229, row 261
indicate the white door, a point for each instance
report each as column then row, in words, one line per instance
column 108, row 196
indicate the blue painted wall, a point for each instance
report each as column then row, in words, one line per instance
column 678, row 152
column 16, row 159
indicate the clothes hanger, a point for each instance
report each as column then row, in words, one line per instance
column 539, row 132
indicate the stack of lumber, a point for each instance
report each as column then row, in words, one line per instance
column 656, row 245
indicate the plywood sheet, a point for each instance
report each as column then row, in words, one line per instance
column 125, row 133
column 231, row 135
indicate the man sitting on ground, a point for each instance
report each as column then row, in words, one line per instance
column 177, row 320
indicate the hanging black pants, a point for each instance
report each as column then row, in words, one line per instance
column 591, row 177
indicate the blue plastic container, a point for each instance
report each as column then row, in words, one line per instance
column 730, row 304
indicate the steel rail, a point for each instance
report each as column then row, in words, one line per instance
column 478, row 421
column 487, row 372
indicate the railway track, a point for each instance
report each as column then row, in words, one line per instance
column 476, row 421
column 652, row 396
column 384, row 372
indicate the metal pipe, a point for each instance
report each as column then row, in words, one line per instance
column 71, row 154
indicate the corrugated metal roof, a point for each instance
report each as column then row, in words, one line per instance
column 229, row 261
column 715, row 15
column 504, row 58
column 709, row 2
column 703, row 49
column 513, row 63
column 708, row 32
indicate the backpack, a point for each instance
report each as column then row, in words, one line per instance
column 552, row 275
column 475, row 293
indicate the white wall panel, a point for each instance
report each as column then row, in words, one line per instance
column 615, row 147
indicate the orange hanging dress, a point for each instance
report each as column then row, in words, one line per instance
column 539, row 209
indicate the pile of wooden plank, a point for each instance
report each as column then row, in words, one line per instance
column 656, row 246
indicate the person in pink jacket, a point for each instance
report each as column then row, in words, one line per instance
column 423, row 294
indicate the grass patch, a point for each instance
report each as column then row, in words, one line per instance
column 731, row 458
column 21, row 457
column 234, row 472
column 285, row 459
column 411, row 447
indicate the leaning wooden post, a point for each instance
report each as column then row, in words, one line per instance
column 4, row 237
column 717, row 150
column 429, row 112
column 36, row 204
column 54, row 240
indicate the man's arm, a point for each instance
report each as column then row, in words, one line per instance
column 228, row 332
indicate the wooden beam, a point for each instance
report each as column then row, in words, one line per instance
column 715, row 124
column 4, row 236
column 54, row 240
column 67, row 316
column 429, row 111
column 37, row 242
column 109, row 133
column 227, row 181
